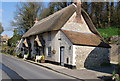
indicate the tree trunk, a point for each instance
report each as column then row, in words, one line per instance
column 112, row 13
column 108, row 13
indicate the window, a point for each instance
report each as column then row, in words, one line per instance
column 49, row 51
column 49, row 36
column 70, row 48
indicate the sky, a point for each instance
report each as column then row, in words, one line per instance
column 8, row 9
column 0, row 11
column 7, row 12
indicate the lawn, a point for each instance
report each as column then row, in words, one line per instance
column 108, row 32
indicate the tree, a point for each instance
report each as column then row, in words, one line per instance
column 53, row 7
column 85, row 6
column 112, row 12
column 45, row 13
column 96, row 13
column 1, row 28
column 103, row 14
column 26, row 15
column 117, row 15
column 108, row 13
column 16, row 37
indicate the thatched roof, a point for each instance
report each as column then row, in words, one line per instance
column 57, row 20
column 88, row 39
column 53, row 22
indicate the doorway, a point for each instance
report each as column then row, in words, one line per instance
column 62, row 56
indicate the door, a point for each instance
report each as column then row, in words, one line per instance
column 62, row 56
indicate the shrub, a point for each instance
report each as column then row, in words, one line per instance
column 19, row 55
column 5, row 49
column 42, row 59
column 11, row 51
column 116, row 73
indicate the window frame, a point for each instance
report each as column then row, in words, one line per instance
column 49, row 51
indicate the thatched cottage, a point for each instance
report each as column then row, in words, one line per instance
column 69, row 38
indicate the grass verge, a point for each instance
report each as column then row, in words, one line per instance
column 108, row 32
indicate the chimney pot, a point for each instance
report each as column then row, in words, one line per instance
column 77, row 2
column 78, row 10
column 36, row 20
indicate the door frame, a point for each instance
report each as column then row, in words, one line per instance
column 62, row 50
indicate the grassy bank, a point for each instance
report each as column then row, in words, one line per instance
column 108, row 32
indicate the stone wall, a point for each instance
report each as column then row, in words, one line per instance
column 115, row 48
column 68, row 51
column 115, row 52
column 89, row 57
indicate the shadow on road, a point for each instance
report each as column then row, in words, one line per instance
column 12, row 74
column 105, row 69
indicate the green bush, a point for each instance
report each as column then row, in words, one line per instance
column 19, row 55
column 5, row 49
column 12, row 42
column 116, row 73
column 8, row 50
column 11, row 51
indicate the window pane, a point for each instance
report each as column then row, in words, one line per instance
column 49, row 51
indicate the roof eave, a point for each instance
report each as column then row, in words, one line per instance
column 92, row 45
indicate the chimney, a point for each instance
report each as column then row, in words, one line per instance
column 36, row 20
column 78, row 10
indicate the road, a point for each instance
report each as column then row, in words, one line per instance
column 13, row 68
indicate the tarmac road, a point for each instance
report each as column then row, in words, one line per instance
column 13, row 68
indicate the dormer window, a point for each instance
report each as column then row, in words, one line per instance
column 49, row 36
